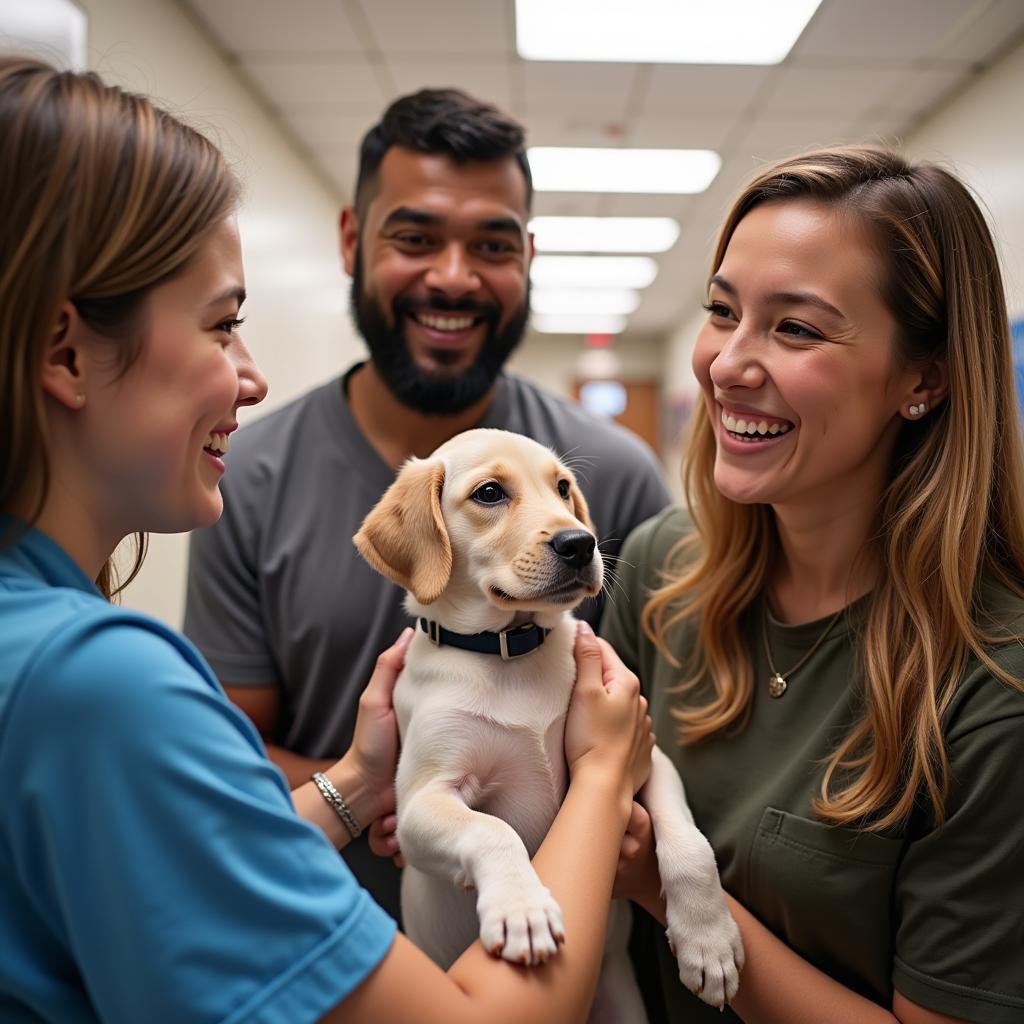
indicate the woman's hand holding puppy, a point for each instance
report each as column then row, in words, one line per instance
column 607, row 728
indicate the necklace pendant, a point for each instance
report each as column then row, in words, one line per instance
column 777, row 685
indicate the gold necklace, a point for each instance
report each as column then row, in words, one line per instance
column 778, row 683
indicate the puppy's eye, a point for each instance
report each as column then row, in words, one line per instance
column 489, row 494
column 563, row 489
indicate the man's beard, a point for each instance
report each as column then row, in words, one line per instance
column 434, row 394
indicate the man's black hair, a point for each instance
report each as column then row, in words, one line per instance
column 442, row 121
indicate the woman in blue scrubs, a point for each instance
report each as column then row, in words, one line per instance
column 152, row 863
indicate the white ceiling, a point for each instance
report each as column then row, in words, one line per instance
column 862, row 70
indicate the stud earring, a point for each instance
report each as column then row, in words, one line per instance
column 79, row 399
column 917, row 410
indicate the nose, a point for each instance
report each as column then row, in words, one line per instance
column 574, row 547
column 452, row 271
column 252, row 385
column 737, row 362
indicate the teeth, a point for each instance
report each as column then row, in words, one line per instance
column 218, row 443
column 752, row 427
column 445, row 323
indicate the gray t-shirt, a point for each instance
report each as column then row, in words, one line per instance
column 277, row 592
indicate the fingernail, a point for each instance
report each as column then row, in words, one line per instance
column 583, row 628
column 405, row 636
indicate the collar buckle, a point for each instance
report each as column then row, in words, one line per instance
column 514, row 631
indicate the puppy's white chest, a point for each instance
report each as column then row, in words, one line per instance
column 525, row 694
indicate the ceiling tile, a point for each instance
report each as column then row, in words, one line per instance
column 672, row 87
column 921, row 90
column 560, row 204
column 486, row 80
column 880, row 30
column 574, row 130
column 841, row 91
column 623, row 205
column 685, row 129
column 985, row 37
column 771, row 139
column 470, row 28
column 603, row 90
column 269, row 26
column 348, row 84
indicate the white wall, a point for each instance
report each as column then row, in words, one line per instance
column 974, row 134
column 296, row 317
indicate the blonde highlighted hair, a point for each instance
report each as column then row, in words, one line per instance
column 103, row 196
column 952, row 513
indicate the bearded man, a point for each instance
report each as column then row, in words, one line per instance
column 279, row 602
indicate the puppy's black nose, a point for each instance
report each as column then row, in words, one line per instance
column 574, row 547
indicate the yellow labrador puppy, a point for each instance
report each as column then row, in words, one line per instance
column 492, row 539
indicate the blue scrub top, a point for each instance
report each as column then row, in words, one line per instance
column 152, row 866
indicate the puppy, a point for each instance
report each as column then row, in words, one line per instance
column 492, row 539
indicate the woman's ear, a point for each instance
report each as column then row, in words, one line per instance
column 929, row 390
column 64, row 376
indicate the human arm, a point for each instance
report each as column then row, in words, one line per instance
column 777, row 986
column 365, row 774
column 261, row 704
column 608, row 747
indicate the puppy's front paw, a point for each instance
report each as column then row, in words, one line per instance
column 704, row 939
column 519, row 920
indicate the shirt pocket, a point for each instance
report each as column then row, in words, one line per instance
column 827, row 892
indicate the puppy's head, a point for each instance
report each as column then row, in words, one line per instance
column 491, row 524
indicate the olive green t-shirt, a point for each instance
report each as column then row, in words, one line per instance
column 936, row 913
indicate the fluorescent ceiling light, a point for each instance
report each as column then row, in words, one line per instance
column 604, row 234
column 593, row 271
column 54, row 30
column 580, row 323
column 610, row 302
column 660, row 171
column 661, row 31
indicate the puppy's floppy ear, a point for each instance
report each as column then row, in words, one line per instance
column 404, row 536
column 579, row 505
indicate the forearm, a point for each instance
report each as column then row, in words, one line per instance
column 777, row 985
column 311, row 805
column 480, row 987
column 592, row 819
column 298, row 770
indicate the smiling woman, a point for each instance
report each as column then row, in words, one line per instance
column 831, row 638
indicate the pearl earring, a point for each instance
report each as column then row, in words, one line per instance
column 79, row 399
column 917, row 410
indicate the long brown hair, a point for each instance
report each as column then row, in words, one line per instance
column 950, row 515
column 103, row 196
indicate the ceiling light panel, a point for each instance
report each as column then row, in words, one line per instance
column 607, row 302
column 604, row 234
column 593, row 271
column 661, row 31
column 580, row 323
column 648, row 171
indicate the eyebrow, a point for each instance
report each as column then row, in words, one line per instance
column 411, row 215
column 234, row 291
column 790, row 298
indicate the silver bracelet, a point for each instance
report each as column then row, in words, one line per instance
column 337, row 802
